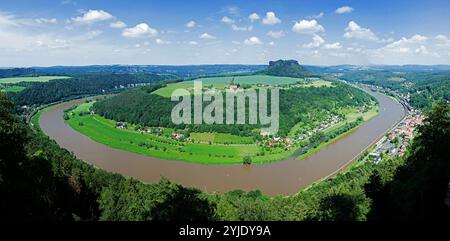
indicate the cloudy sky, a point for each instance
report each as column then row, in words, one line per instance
column 82, row 32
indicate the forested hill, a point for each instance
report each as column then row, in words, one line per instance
column 139, row 106
column 286, row 68
column 422, row 88
column 15, row 72
column 57, row 90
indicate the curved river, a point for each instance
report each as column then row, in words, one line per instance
column 282, row 177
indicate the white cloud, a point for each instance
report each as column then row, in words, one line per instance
column 243, row 28
column 89, row 35
column 46, row 20
column 118, row 24
column 406, row 45
column 336, row 45
column 252, row 41
column 353, row 30
column 140, row 30
column 207, row 36
column 272, row 43
column 422, row 50
column 191, row 24
column 441, row 37
column 344, row 9
column 271, row 19
column 193, row 43
column 408, row 50
column 231, row 22
column 93, row 16
column 233, row 10
column 161, row 42
column 227, row 20
column 7, row 20
column 253, row 17
column 316, row 42
column 307, row 27
column 320, row 15
column 442, row 41
column 276, row 34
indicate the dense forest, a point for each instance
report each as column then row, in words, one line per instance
column 139, row 106
column 57, row 90
column 41, row 181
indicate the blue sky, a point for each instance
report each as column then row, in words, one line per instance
column 79, row 32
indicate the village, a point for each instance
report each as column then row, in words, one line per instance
column 395, row 142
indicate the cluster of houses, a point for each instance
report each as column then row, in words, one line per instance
column 285, row 142
column 406, row 130
column 130, row 85
column 323, row 126
column 396, row 141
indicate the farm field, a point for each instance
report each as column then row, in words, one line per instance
column 104, row 131
column 12, row 89
column 16, row 80
column 223, row 82
column 318, row 83
column 12, row 85
column 220, row 138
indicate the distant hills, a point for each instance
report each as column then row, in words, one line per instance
column 286, row 68
column 289, row 68
column 16, row 72
column 182, row 71
column 398, row 68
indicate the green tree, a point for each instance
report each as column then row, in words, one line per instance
column 247, row 160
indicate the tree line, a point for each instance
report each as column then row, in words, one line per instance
column 140, row 107
column 62, row 89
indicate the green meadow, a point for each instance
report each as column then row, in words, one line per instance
column 11, row 85
column 13, row 89
column 223, row 82
column 104, row 131
column 220, row 138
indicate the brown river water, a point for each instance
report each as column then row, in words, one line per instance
column 283, row 177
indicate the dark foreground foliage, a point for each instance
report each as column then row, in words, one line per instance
column 41, row 181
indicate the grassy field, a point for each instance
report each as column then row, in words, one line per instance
column 352, row 115
column 10, row 84
column 222, row 82
column 220, row 138
column 251, row 79
column 13, row 89
column 16, row 80
column 104, row 131
column 319, row 83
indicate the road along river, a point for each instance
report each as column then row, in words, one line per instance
column 282, row 177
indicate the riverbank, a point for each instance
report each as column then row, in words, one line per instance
column 104, row 131
column 282, row 177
